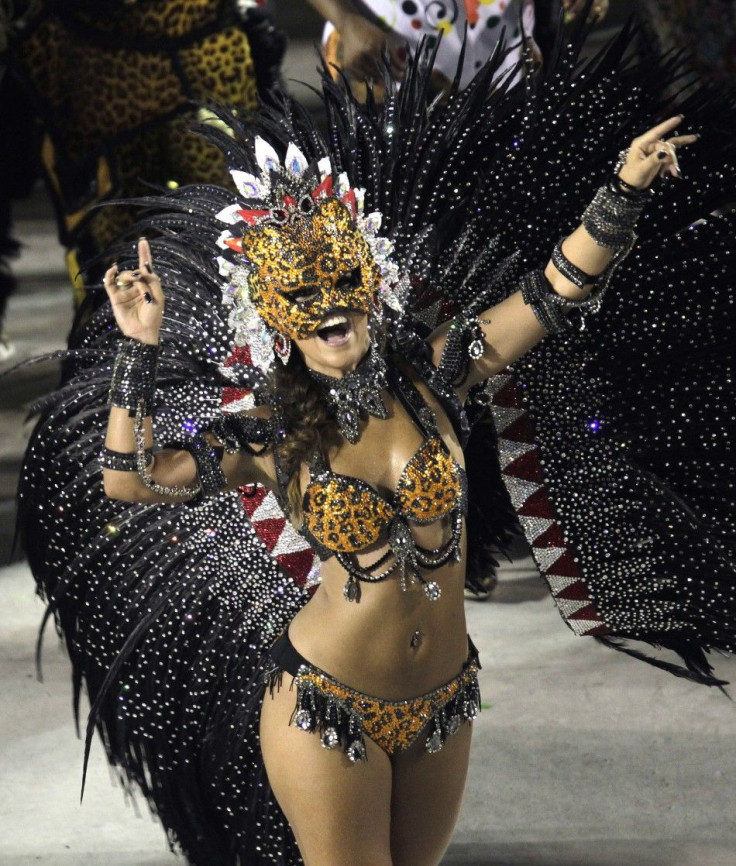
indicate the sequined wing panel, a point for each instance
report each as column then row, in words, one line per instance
column 617, row 450
column 167, row 610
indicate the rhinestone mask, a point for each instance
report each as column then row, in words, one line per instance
column 297, row 247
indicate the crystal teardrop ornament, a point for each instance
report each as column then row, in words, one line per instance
column 475, row 349
column 434, row 743
column 356, row 751
column 351, row 590
column 432, row 590
column 303, row 720
column 330, row 738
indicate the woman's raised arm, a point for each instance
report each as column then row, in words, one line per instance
column 131, row 472
column 548, row 300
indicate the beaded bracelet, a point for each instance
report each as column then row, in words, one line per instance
column 134, row 376
column 628, row 190
column 207, row 458
column 610, row 218
column 552, row 310
column 571, row 272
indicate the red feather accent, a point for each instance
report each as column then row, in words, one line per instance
column 325, row 188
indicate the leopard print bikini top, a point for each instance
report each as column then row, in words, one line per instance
column 344, row 515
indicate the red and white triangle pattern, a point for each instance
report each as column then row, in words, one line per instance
column 521, row 470
column 282, row 541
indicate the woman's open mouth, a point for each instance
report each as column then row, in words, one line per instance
column 335, row 330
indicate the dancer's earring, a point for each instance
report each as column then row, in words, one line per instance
column 282, row 348
column 377, row 309
column 375, row 322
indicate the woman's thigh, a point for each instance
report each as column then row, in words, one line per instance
column 340, row 812
column 426, row 798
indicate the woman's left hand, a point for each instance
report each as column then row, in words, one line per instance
column 651, row 155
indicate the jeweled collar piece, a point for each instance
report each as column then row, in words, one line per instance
column 356, row 394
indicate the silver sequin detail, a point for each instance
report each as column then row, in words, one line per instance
column 330, row 738
column 434, row 743
column 303, row 720
column 432, row 590
column 356, row 751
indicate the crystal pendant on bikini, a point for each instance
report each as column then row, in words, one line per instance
column 434, row 742
column 401, row 542
column 351, row 590
column 356, row 751
column 432, row 590
column 330, row 738
column 303, row 720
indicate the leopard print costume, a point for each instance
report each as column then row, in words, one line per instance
column 113, row 82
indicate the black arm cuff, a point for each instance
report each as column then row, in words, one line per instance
column 207, row 458
column 134, row 376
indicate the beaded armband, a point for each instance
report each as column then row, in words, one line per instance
column 610, row 218
column 555, row 313
column 242, row 432
column 122, row 461
column 464, row 343
column 207, row 457
column 568, row 270
column 142, row 466
column 134, row 376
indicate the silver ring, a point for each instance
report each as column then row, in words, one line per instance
column 121, row 283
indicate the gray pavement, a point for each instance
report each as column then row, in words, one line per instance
column 581, row 757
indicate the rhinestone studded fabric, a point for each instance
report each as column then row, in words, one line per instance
column 430, row 485
column 617, row 447
column 347, row 515
column 356, row 394
column 345, row 716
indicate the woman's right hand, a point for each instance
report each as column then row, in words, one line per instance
column 137, row 298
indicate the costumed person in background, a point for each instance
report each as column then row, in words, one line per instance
column 356, row 33
column 113, row 82
column 363, row 294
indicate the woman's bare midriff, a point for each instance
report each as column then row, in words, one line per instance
column 392, row 643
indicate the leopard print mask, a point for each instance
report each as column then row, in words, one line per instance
column 309, row 266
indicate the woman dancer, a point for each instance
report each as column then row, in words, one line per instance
column 189, row 605
column 380, row 495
